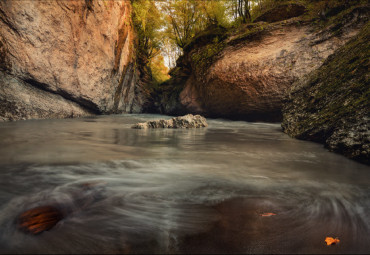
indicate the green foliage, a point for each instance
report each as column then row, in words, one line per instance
column 147, row 20
column 242, row 9
column 183, row 21
column 173, row 26
column 186, row 18
column 159, row 70
column 216, row 12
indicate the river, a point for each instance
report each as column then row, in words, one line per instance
column 178, row 190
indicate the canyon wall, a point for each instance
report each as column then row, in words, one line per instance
column 246, row 73
column 67, row 59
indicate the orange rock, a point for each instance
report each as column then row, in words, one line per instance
column 331, row 241
column 39, row 219
column 88, row 60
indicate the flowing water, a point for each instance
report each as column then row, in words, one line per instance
column 178, row 191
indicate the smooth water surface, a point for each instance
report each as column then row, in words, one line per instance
column 178, row 190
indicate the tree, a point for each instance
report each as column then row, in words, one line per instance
column 147, row 20
column 182, row 20
column 170, row 51
column 159, row 70
column 186, row 18
column 216, row 12
column 166, row 27
column 241, row 9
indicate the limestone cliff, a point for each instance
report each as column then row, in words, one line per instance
column 67, row 58
column 245, row 73
column 332, row 104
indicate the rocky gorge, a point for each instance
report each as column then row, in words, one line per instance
column 104, row 149
column 78, row 58
column 249, row 74
column 67, row 59
column 245, row 74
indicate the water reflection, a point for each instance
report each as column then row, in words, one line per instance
column 178, row 191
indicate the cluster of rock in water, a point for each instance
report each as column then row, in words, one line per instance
column 187, row 121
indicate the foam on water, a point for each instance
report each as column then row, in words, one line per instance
column 178, row 191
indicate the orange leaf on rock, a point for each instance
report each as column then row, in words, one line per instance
column 331, row 240
column 267, row 214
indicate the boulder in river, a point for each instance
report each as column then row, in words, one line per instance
column 187, row 121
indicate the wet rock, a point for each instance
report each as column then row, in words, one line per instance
column 39, row 219
column 187, row 121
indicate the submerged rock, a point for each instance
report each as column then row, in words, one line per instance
column 187, row 121
column 39, row 219
column 76, row 199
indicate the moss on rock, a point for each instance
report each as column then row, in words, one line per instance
column 332, row 104
column 202, row 58
column 217, row 43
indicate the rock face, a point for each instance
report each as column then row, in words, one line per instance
column 246, row 74
column 67, row 58
column 332, row 104
column 187, row 121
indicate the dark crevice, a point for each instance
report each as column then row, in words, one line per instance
column 121, row 85
column 84, row 103
column 122, row 37
column 123, row 33
column 89, row 5
column 129, row 84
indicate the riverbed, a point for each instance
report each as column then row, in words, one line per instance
column 233, row 187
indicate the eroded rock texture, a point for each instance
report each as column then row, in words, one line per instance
column 246, row 74
column 332, row 104
column 66, row 58
column 187, row 121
